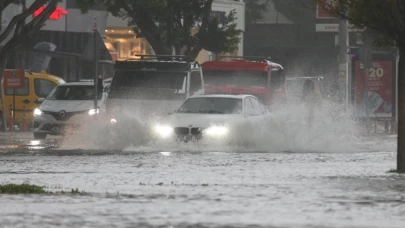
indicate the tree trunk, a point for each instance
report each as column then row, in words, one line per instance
column 157, row 45
column 401, row 112
column 3, row 63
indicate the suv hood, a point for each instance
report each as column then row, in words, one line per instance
column 200, row 120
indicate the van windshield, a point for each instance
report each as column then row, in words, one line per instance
column 154, row 85
column 74, row 92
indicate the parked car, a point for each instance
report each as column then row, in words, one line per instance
column 211, row 116
column 68, row 105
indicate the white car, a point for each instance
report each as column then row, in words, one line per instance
column 213, row 117
column 68, row 104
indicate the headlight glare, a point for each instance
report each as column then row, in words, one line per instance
column 217, row 131
column 93, row 111
column 113, row 121
column 38, row 112
column 164, row 131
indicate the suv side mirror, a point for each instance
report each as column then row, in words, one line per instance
column 172, row 112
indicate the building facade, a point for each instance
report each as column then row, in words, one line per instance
column 122, row 42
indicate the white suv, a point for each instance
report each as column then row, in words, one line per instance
column 67, row 105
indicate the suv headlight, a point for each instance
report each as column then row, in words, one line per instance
column 93, row 111
column 164, row 131
column 217, row 131
column 38, row 112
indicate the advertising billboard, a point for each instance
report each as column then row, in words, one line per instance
column 380, row 102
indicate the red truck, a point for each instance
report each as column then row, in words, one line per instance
column 237, row 75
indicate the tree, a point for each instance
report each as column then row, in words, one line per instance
column 168, row 24
column 387, row 21
column 18, row 30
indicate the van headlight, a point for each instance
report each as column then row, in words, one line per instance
column 164, row 131
column 93, row 111
column 217, row 131
column 38, row 112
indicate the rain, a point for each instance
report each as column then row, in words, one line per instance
column 212, row 113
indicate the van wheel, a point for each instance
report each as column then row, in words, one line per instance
column 39, row 135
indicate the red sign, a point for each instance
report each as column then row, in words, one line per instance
column 56, row 15
column 14, row 79
column 379, row 89
column 321, row 13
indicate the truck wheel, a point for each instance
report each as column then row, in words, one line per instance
column 39, row 135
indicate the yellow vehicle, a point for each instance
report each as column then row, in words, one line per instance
column 36, row 85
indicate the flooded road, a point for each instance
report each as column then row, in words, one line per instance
column 205, row 189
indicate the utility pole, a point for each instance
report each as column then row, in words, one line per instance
column 95, row 67
column 365, row 59
column 343, row 66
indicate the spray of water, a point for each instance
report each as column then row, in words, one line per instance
column 286, row 129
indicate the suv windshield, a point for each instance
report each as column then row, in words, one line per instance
column 212, row 105
column 156, row 85
column 235, row 78
column 74, row 92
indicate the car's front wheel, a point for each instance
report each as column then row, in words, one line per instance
column 39, row 135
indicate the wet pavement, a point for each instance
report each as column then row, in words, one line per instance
column 135, row 188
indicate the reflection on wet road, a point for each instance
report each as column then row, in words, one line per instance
column 206, row 189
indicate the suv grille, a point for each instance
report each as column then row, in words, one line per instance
column 187, row 131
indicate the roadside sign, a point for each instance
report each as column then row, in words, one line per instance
column 379, row 93
column 14, row 79
column 333, row 28
column 321, row 12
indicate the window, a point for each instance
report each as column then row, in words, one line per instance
column 43, row 87
column 152, row 85
column 76, row 92
column 248, row 104
column 20, row 92
column 236, row 78
column 195, row 82
column 256, row 105
column 212, row 105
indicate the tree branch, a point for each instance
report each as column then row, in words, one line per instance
column 21, row 17
column 30, row 28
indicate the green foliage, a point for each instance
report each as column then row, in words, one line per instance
column 21, row 189
column 26, row 188
column 168, row 24
column 384, row 19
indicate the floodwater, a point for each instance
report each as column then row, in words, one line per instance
column 205, row 189
column 336, row 179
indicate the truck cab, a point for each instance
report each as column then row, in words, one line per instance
column 152, row 85
column 238, row 75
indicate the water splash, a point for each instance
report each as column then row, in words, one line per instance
column 287, row 129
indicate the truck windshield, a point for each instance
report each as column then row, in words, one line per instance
column 235, row 78
column 155, row 85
